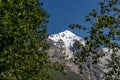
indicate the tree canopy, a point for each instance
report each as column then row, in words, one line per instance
column 104, row 33
column 23, row 47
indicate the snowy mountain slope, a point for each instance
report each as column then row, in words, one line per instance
column 63, row 42
column 67, row 38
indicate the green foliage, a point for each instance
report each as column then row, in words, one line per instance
column 69, row 75
column 104, row 33
column 22, row 40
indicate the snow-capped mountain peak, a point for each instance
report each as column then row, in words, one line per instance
column 68, row 38
column 63, row 42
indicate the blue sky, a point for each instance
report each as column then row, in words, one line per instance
column 65, row 12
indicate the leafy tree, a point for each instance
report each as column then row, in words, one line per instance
column 22, row 40
column 104, row 32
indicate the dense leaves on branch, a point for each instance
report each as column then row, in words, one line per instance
column 22, row 40
column 104, row 33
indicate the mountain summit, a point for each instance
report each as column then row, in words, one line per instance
column 63, row 43
column 65, row 40
column 62, row 50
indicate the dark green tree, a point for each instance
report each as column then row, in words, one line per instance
column 23, row 40
column 104, row 32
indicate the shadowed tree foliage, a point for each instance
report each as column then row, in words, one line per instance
column 104, row 33
column 22, row 40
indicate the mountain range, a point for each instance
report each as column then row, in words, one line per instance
column 62, row 49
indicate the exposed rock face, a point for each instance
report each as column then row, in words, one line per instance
column 62, row 49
